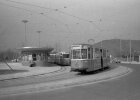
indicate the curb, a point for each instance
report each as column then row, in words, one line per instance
column 50, row 86
column 130, row 62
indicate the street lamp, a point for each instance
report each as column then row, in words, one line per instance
column 101, row 44
column 120, row 49
column 39, row 37
column 130, row 50
column 25, row 21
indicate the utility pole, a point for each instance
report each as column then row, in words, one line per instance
column 101, row 44
column 130, row 50
column 120, row 48
column 25, row 22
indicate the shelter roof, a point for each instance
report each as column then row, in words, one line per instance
column 30, row 49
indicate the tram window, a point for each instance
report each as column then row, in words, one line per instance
column 76, row 54
column 84, row 53
column 96, row 49
column 97, row 53
column 65, row 55
column 89, row 53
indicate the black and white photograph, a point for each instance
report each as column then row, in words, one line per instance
column 69, row 50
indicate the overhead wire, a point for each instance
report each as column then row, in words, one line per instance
column 27, row 4
column 56, row 10
column 51, row 9
column 15, row 7
column 73, row 16
column 31, row 11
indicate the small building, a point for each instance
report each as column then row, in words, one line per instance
column 34, row 56
column 136, row 56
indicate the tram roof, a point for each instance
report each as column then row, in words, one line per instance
column 81, row 44
column 84, row 44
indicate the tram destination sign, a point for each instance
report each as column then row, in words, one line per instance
column 76, row 46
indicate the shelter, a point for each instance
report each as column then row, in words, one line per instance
column 136, row 56
column 34, row 55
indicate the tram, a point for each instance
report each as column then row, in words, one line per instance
column 86, row 58
column 63, row 58
column 60, row 58
column 52, row 58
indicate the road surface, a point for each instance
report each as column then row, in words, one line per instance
column 123, row 88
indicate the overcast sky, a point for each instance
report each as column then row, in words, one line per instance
column 64, row 22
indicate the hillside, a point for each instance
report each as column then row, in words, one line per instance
column 113, row 46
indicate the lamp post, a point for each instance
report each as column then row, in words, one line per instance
column 39, row 37
column 101, row 44
column 25, row 22
column 120, row 49
column 130, row 49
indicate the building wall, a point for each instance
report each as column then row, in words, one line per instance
column 41, row 59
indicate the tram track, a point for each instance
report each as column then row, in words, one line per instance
column 35, row 79
column 62, row 69
column 42, row 79
column 65, row 80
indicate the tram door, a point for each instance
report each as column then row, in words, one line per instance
column 98, row 60
column 101, row 50
column 90, row 56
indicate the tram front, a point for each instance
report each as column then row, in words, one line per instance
column 81, row 57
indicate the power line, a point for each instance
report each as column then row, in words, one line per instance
column 19, row 8
column 96, row 26
column 39, row 13
column 27, row 4
column 16, row 7
column 73, row 16
column 31, row 11
column 56, row 10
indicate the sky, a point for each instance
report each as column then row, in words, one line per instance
column 65, row 22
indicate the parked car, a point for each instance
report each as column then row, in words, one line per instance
column 115, row 60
